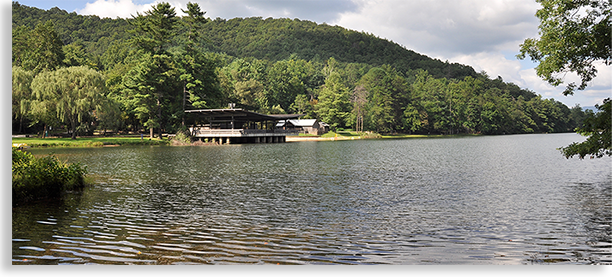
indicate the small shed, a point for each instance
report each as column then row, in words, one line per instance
column 304, row 126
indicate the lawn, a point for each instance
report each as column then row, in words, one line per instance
column 427, row 136
column 87, row 141
column 332, row 134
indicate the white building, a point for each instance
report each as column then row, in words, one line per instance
column 305, row 126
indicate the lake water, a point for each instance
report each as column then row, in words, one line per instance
column 469, row 200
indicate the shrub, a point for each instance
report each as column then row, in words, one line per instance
column 182, row 137
column 46, row 177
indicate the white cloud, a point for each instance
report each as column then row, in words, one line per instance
column 445, row 28
column 599, row 88
column 494, row 64
column 113, row 8
column 127, row 8
column 314, row 10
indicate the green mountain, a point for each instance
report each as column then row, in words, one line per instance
column 269, row 39
column 94, row 32
column 277, row 39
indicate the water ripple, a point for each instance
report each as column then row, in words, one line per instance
column 477, row 200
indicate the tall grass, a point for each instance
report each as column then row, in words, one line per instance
column 46, row 177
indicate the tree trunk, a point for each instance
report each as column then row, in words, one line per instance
column 20, row 124
column 73, row 127
column 184, row 101
column 159, row 118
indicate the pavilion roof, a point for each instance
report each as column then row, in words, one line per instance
column 242, row 115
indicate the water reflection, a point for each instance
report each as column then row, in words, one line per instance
column 483, row 200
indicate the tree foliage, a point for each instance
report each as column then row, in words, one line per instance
column 573, row 36
column 70, row 94
column 21, row 93
column 334, row 104
column 146, row 86
column 597, row 128
column 38, row 49
column 155, row 29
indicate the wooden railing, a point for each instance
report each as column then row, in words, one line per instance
column 239, row 132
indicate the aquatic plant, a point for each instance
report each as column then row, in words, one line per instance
column 45, row 177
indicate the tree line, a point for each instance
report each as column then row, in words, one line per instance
column 162, row 64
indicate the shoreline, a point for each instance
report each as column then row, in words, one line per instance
column 399, row 136
column 298, row 139
column 131, row 140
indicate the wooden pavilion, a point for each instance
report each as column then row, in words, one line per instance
column 239, row 126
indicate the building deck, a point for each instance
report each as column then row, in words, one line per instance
column 207, row 133
column 231, row 136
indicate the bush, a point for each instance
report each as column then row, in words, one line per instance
column 46, row 177
column 183, row 137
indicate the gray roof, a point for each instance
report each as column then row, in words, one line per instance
column 298, row 122
column 240, row 114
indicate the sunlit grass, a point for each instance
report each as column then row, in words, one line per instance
column 87, row 142
column 427, row 136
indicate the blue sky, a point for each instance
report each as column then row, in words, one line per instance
column 484, row 34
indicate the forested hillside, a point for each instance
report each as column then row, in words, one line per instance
column 270, row 39
column 277, row 39
column 157, row 64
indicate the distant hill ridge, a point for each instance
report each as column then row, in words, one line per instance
column 277, row 39
column 272, row 39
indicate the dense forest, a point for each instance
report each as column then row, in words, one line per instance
column 76, row 74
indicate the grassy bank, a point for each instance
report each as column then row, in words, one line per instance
column 331, row 136
column 401, row 136
column 352, row 135
column 88, row 141
column 42, row 178
column 372, row 135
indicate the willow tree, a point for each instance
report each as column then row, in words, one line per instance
column 70, row 94
column 22, row 93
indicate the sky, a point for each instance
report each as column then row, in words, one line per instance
column 485, row 34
